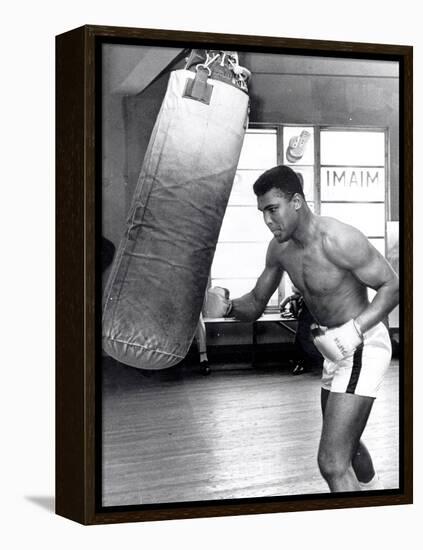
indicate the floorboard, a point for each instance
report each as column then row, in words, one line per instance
column 179, row 436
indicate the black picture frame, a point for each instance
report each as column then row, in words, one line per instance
column 78, row 408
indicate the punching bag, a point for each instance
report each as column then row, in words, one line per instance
column 156, row 288
column 155, row 291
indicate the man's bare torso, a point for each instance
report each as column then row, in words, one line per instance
column 331, row 292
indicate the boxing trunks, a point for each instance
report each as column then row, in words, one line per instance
column 363, row 372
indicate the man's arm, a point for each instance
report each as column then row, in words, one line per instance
column 351, row 250
column 250, row 306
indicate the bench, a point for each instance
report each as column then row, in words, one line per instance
column 288, row 324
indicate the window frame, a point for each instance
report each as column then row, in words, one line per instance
column 317, row 166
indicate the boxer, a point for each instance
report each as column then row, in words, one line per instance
column 332, row 265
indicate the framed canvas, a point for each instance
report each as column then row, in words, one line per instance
column 160, row 138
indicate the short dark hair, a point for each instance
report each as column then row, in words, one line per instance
column 282, row 178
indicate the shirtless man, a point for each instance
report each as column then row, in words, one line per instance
column 332, row 264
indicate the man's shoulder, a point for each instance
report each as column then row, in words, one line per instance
column 276, row 250
column 334, row 230
column 276, row 246
column 340, row 239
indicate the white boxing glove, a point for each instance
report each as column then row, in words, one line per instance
column 217, row 303
column 337, row 343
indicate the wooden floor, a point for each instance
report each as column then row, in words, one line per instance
column 179, row 436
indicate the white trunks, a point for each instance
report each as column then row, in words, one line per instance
column 362, row 373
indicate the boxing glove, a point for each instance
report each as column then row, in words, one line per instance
column 296, row 146
column 337, row 343
column 217, row 303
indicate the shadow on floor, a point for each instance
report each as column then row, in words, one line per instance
column 46, row 502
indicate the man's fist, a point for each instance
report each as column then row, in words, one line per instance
column 337, row 343
column 217, row 303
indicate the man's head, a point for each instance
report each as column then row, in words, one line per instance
column 282, row 178
column 280, row 197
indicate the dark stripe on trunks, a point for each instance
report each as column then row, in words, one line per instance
column 356, row 369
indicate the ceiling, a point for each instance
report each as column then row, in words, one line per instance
column 130, row 69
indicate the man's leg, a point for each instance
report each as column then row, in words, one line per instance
column 201, row 341
column 302, row 339
column 362, row 464
column 362, row 461
column 344, row 419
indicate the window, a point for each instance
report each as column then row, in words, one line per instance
column 352, row 180
column 243, row 240
column 343, row 177
column 299, row 154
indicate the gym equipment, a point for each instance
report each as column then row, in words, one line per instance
column 217, row 303
column 337, row 343
column 296, row 146
column 156, row 288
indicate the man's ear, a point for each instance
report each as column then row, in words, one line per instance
column 297, row 200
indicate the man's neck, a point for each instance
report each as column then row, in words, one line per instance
column 305, row 232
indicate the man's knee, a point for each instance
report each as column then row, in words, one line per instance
column 332, row 465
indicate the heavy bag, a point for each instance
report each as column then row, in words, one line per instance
column 156, row 288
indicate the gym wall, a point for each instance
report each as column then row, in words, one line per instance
column 284, row 89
